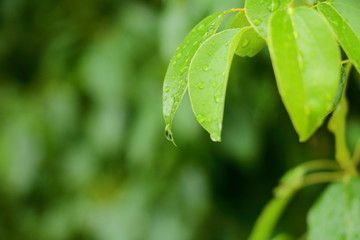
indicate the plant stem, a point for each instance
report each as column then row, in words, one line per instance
column 236, row 10
column 270, row 215
column 293, row 180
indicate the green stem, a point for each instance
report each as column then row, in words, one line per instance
column 301, row 176
column 270, row 215
column 337, row 125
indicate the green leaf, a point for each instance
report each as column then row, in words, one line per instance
column 306, row 60
column 176, row 79
column 344, row 18
column 259, row 12
column 251, row 42
column 209, row 71
column 336, row 215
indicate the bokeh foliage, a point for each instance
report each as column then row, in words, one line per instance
column 82, row 147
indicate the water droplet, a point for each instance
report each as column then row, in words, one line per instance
column 211, row 30
column 182, row 83
column 179, row 55
column 195, row 43
column 209, row 53
column 215, row 137
column 336, row 23
column 200, row 85
column 215, row 84
column 217, row 99
column 167, row 89
column 200, row 27
column 245, row 43
column 174, row 63
column 206, row 68
column 273, row 5
column 200, row 118
column 184, row 70
column 212, row 43
column 261, row 29
column 168, row 133
column 257, row 21
column 165, row 99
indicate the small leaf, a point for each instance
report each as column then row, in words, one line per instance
column 336, row 215
column 344, row 18
column 209, row 71
column 176, row 80
column 251, row 42
column 306, row 61
column 259, row 12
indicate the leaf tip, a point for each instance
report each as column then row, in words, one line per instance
column 305, row 136
column 215, row 137
column 169, row 135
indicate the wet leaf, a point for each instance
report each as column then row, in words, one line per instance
column 344, row 18
column 251, row 42
column 306, row 61
column 176, row 81
column 336, row 215
column 209, row 71
column 259, row 12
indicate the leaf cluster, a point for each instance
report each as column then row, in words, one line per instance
column 305, row 45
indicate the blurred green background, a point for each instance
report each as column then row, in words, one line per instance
column 82, row 147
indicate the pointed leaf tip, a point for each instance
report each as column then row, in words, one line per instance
column 168, row 134
column 306, row 61
column 176, row 80
column 208, row 78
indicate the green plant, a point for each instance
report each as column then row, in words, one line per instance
column 304, row 40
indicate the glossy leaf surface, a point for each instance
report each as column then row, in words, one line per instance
column 209, row 71
column 336, row 215
column 176, row 80
column 251, row 42
column 306, row 61
column 344, row 17
column 259, row 12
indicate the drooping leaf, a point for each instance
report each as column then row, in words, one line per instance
column 259, row 12
column 344, row 17
column 336, row 215
column 306, row 60
column 251, row 42
column 176, row 80
column 209, row 71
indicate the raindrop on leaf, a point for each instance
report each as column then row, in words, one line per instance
column 257, row 21
column 245, row 43
column 200, row 118
column 273, row 5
